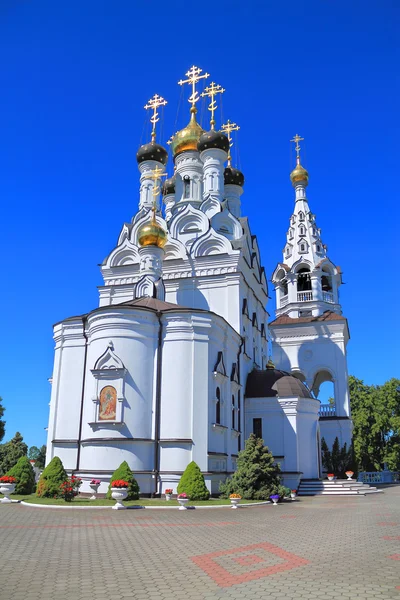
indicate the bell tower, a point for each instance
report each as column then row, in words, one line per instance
column 310, row 334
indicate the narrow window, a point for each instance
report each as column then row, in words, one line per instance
column 318, row 248
column 302, row 248
column 233, row 411
column 257, row 427
column 218, row 407
column 186, row 186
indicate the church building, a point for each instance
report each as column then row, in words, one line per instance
column 173, row 365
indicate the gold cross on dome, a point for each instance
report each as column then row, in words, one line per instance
column 211, row 91
column 296, row 139
column 193, row 76
column 228, row 128
column 171, row 139
column 155, row 175
column 153, row 104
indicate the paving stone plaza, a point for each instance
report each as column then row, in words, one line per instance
column 312, row 548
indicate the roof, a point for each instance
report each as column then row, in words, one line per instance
column 151, row 304
column 328, row 315
column 271, row 383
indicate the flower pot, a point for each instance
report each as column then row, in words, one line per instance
column 293, row 496
column 119, row 494
column 94, row 488
column 6, row 489
column 349, row 475
column 183, row 502
column 331, row 477
column 168, row 496
column 235, row 502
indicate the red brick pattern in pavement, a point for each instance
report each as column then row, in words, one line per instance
column 224, row 578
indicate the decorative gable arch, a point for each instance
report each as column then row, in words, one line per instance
column 210, row 206
column 188, row 221
column 124, row 254
column 211, row 243
column 226, row 224
column 174, row 249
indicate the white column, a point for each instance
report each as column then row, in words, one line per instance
column 151, row 258
column 300, row 191
column 213, row 172
column 146, row 199
column 232, row 196
column 189, row 179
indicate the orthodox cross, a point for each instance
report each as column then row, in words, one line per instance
column 296, row 139
column 211, row 91
column 193, row 76
column 153, row 104
column 155, row 175
column 228, row 128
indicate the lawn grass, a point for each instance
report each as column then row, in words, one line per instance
column 33, row 499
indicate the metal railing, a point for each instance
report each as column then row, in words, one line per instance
column 328, row 297
column 379, row 477
column 327, row 410
column 304, row 296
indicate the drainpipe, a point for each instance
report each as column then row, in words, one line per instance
column 241, row 395
column 78, row 455
column 156, row 469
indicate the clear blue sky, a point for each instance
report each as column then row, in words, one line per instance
column 74, row 77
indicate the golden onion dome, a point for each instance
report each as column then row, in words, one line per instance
column 299, row 174
column 270, row 364
column 187, row 138
column 152, row 234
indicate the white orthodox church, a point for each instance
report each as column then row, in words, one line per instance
column 173, row 364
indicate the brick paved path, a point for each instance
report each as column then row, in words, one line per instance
column 313, row 548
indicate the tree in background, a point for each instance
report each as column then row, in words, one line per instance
column 2, row 423
column 33, row 453
column 338, row 460
column 25, row 476
column 375, row 412
column 41, row 459
column 192, row 483
column 257, row 474
column 10, row 452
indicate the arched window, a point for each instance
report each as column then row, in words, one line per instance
column 301, row 216
column 302, row 247
column 318, row 248
column 302, row 230
column 186, row 186
column 303, row 280
column 326, row 283
column 233, row 411
column 291, row 234
column 218, row 407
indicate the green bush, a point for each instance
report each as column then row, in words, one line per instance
column 123, row 472
column 192, row 483
column 25, row 476
column 51, row 479
column 257, row 474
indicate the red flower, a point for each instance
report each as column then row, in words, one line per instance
column 7, row 479
column 119, row 483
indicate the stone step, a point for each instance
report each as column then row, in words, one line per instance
column 329, row 493
column 338, row 487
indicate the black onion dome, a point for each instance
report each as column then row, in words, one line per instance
column 273, row 382
column 168, row 186
column 213, row 139
column 152, row 151
column 234, row 176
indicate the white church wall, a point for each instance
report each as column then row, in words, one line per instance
column 307, row 430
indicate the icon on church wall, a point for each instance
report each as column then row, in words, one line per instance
column 108, row 404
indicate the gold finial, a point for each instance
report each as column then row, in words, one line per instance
column 153, row 104
column 270, row 363
column 155, row 175
column 212, row 90
column 296, row 139
column 228, row 128
column 193, row 76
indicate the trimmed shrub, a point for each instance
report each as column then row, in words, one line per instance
column 257, row 475
column 123, row 472
column 192, row 483
column 25, row 476
column 51, row 479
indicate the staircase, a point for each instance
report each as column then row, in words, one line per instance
column 338, row 487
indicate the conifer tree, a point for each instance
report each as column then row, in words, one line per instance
column 192, row 483
column 124, row 472
column 25, row 476
column 51, row 479
column 11, row 451
column 257, row 474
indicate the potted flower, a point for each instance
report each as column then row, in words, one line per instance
column 275, row 498
column 331, row 476
column 183, row 500
column 349, row 474
column 7, row 487
column 293, row 494
column 168, row 493
column 235, row 499
column 94, row 484
column 119, row 491
column 70, row 488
